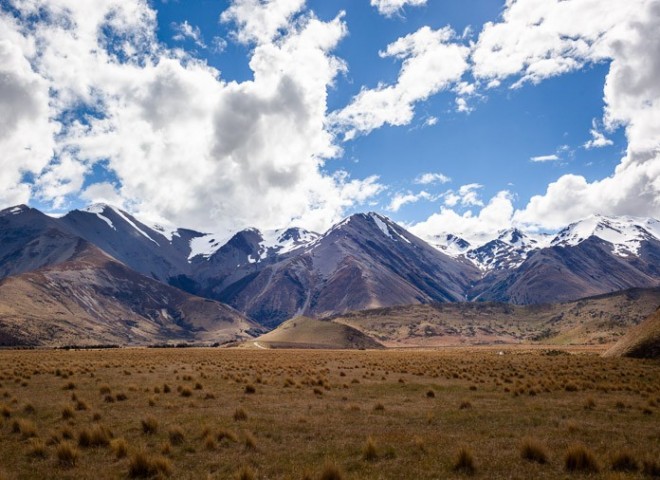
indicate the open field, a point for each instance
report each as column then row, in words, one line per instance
column 274, row 414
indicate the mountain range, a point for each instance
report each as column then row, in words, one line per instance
column 153, row 276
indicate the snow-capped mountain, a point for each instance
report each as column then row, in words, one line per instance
column 508, row 251
column 450, row 244
column 364, row 261
column 625, row 234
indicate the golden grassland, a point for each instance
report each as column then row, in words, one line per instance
column 280, row 414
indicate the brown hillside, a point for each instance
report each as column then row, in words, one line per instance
column 92, row 299
column 305, row 332
column 642, row 341
column 594, row 321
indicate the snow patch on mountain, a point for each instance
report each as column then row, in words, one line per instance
column 207, row 244
column 382, row 226
column 284, row 240
column 625, row 233
column 98, row 209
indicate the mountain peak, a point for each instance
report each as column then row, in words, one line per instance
column 15, row 210
column 624, row 233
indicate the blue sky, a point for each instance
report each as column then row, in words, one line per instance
column 217, row 115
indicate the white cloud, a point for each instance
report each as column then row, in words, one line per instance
column 182, row 143
column 598, row 139
column 431, row 63
column 391, row 7
column 431, row 177
column 462, row 105
column 537, row 39
column 544, row 158
column 400, row 199
column 475, row 228
column 185, row 30
column 26, row 128
column 261, row 21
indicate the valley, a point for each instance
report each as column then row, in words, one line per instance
column 492, row 413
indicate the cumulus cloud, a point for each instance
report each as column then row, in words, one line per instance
column 186, row 31
column 391, row 7
column 467, row 195
column 400, row 199
column 183, row 143
column 260, row 21
column 432, row 177
column 431, row 63
column 598, row 139
column 537, row 39
column 474, row 227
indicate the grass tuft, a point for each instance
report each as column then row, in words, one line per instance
column 331, row 472
column 149, row 425
column 579, row 458
column 464, row 461
column 144, row 465
column 624, row 462
column 119, row 447
column 533, row 450
column 176, row 435
column 369, row 451
column 240, row 415
column 67, row 455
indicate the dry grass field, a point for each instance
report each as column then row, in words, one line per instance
column 287, row 414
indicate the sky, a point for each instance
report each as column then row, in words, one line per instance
column 445, row 115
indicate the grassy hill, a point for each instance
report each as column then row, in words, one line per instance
column 305, row 332
column 603, row 319
column 642, row 341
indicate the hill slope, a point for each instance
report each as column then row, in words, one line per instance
column 93, row 299
column 305, row 332
column 596, row 320
column 642, row 341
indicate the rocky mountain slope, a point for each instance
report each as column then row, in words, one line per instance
column 92, row 299
column 365, row 261
column 597, row 320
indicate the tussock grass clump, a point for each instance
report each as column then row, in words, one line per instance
column 144, row 465
column 186, row 392
column 579, row 458
column 533, row 450
column 331, row 472
column 149, row 425
column 176, row 435
column 464, row 461
column 228, row 435
column 249, row 389
column 651, row 468
column 5, row 411
column 624, row 461
column 465, row 405
column 249, row 441
column 25, row 427
column 37, row 448
column 245, row 473
column 430, row 394
column 369, row 451
column 119, row 447
column 67, row 455
column 240, row 415
column 67, row 413
column 379, row 407
column 97, row 436
column 29, row 409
